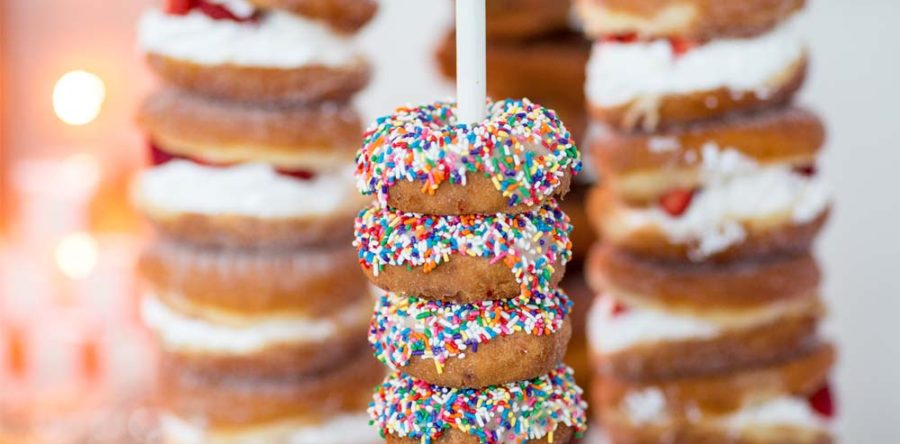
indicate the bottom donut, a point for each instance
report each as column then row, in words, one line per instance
column 547, row 409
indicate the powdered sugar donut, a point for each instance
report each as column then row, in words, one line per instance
column 464, row 258
column 422, row 160
column 492, row 415
column 471, row 345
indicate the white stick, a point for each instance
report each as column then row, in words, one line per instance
column 471, row 53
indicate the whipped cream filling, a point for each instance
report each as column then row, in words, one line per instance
column 278, row 40
column 619, row 73
column 648, row 406
column 254, row 190
column 344, row 429
column 735, row 190
column 609, row 332
column 181, row 332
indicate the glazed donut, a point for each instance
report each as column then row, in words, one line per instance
column 311, row 282
column 659, row 83
column 420, row 160
column 224, row 406
column 305, row 138
column 464, row 259
column 255, row 346
column 526, row 19
column 343, row 15
column 458, row 416
column 543, row 70
column 642, row 167
column 686, row 19
column 704, row 201
column 471, row 345
column 263, row 58
column 787, row 402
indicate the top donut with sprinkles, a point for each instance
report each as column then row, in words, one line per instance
column 422, row 160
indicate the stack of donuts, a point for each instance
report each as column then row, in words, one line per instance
column 251, row 191
column 468, row 243
column 533, row 51
column 705, row 327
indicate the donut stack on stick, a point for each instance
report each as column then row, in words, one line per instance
column 534, row 51
column 705, row 327
column 251, row 190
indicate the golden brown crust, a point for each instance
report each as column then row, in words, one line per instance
column 477, row 196
column 723, row 393
column 621, row 431
column 226, row 132
column 524, row 19
column 312, row 282
column 691, row 19
column 502, row 360
column 739, row 348
column 736, row 286
column 305, row 84
column 542, row 70
column 235, row 231
column 562, row 435
column 281, row 361
column 461, row 280
column 764, row 237
column 228, row 401
column 782, row 135
column 680, row 109
column 342, row 15
column 582, row 235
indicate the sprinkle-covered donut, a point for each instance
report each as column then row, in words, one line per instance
column 464, row 258
column 471, row 345
column 522, row 411
column 423, row 160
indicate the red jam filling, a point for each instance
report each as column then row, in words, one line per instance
column 806, row 170
column 822, row 402
column 680, row 45
column 214, row 11
column 159, row 157
column 611, row 306
column 676, row 202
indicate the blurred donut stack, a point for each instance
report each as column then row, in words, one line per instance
column 535, row 51
column 261, row 322
column 705, row 327
column 469, row 244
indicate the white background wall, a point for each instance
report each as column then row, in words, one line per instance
column 854, row 84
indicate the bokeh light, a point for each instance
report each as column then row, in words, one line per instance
column 78, row 97
column 76, row 255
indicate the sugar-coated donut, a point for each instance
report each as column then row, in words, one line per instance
column 265, row 59
column 471, row 345
column 637, row 84
column 687, row 19
column 422, row 160
column 785, row 402
column 464, row 258
column 545, row 409
column 342, row 15
column 290, row 137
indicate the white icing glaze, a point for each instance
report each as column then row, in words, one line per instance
column 180, row 332
column 254, row 190
column 621, row 72
column 735, row 189
column 645, row 406
column 783, row 411
column 279, row 40
column 609, row 333
column 344, row 429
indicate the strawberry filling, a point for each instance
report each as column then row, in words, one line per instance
column 822, row 402
column 611, row 306
column 680, row 46
column 212, row 10
column 676, row 202
column 806, row 170
column 159, row 157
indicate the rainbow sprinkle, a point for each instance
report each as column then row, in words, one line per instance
column 522, row 147
column 405, row 327
column 531, row 244
column 512, row 413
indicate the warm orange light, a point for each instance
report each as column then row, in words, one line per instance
column 76, row 255
column 78, row 97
